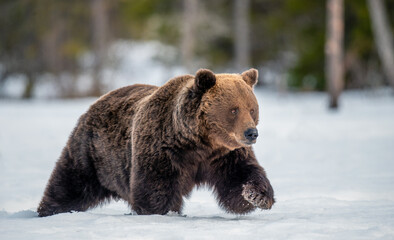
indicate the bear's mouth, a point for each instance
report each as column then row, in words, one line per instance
column 248, row 142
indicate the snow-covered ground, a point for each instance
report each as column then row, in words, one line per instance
column 332, row 172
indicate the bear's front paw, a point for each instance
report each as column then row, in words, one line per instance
column 259, row 195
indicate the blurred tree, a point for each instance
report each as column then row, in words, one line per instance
column 383, row 37
column 63, row 41
column 290, row 34
column 297, row 27
column 241, row 34
column 41, row 37
column 189, row 27
column 99, row 16
column 334, row 50
column 19, row 54
column 149, row 20
column 359, row 52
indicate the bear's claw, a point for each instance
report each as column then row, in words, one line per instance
column 259, row 198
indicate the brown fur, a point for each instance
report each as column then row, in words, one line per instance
column 152, row 145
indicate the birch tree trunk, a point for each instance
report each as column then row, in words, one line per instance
column 100, row 30
column 334, row 51
column 382, row 37
column 242, row 40
column 189, row 33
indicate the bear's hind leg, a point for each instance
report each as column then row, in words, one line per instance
column 72, row 188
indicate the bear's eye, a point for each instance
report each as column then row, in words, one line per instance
column 234, row 111
column 252, row 111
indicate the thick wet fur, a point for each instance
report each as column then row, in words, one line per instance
column 150, row 146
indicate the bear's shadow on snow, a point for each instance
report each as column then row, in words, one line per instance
column 27, row 214
column 20, row 214
column 185, row 217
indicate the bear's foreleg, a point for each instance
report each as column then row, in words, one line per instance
column 240, row 182
column 72, row 187
column 155, row 191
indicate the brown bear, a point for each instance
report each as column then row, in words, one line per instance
column 150, row 146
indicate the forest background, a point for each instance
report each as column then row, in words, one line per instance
column 71, row 44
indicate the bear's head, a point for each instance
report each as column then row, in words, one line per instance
column 229, row 109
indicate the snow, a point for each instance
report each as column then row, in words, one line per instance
column 332, row 172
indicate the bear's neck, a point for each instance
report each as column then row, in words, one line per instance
column 185, row 117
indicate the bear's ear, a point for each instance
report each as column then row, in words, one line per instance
column 204, row 80
column 250, row 76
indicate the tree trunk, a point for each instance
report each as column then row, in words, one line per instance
column 334, row 51
column 189, row 33
column 242, row 42
column 382, row 37
column 29, row 87
column 53, row 39
column 99, row 30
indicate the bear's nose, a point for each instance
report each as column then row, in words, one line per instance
column 251, row 134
